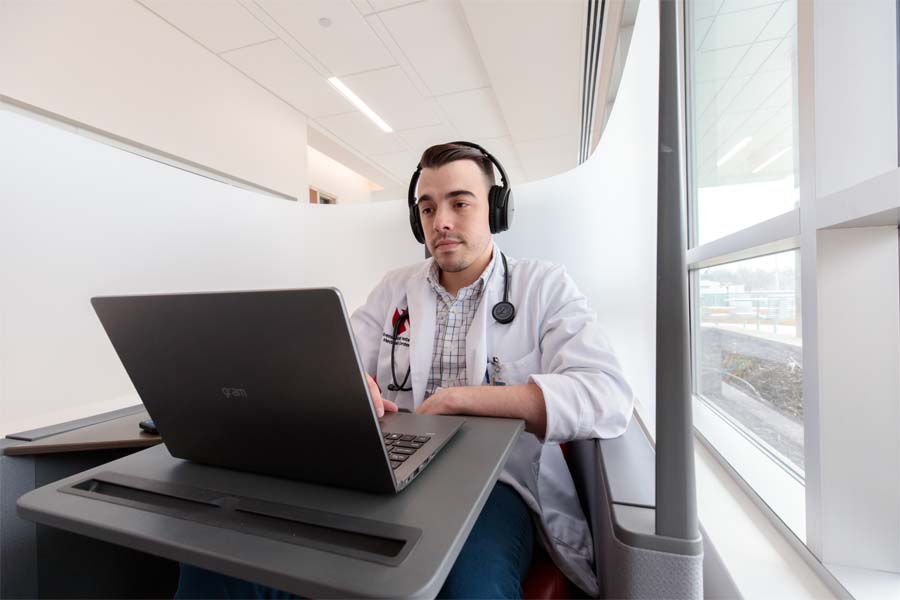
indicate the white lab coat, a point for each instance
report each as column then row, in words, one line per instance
column 554, row 342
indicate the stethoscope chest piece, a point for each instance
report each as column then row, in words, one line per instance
column 504, row 312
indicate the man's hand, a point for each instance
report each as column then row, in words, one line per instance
column 524, row 402
column 380, row 403
column 445, row 401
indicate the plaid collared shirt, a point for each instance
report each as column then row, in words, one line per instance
column 454, row 317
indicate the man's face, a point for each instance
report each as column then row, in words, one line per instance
column 453, row 207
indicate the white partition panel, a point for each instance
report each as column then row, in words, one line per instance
column 79, row 218
column 599, row 220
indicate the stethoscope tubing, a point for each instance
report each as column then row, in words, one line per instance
column 509, row 316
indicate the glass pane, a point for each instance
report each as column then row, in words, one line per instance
column 750, row 350
column 742, row 58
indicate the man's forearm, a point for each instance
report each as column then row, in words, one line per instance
column 513, row 401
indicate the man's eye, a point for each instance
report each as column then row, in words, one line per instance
column 426, row 211
column 461, row 204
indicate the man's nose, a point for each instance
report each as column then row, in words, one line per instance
column 443, row 219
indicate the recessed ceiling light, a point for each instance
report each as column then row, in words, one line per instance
column 325, row 22
column 362, row 106
column 772, row 159
column 730, row 154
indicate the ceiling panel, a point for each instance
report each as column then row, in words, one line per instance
column 782, row 57
column 397, row 52
column 503, row 150
column 756, row 55
column 219, row 25
column 380, row 5
column 363, row 6
column 544, row 158
column 547, row 72
column 718, row 64
column 775, row 133
column 436, row 40
column 361, row 133
column 517, row 176
column 699, row 30
column 760, row 125
column 761, row 87
column 704, row 8
column 738, row 28
column 394, row 98
column 770, row 148
column 424, row 137
column 726, row 95
column 474, row 113
column 282, row 72
column 327, row 143
column 347, row 46
column 703, row 94
column 729, row 6
column 782, row 23
column 401, row 165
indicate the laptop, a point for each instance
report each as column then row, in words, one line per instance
column 268, row 382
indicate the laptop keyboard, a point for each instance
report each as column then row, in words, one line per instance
column 401, row 446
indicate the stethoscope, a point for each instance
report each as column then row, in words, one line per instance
column 503, row 312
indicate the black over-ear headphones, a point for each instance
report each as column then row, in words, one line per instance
column 501, row 207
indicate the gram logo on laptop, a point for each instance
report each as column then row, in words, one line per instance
column 234, row 392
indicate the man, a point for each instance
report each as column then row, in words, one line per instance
column 551, row 366
column 453, row 352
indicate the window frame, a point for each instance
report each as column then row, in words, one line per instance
column 727, row 440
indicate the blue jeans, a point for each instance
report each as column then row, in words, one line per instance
column 492, row 564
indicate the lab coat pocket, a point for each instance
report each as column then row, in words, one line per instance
column 517, row 372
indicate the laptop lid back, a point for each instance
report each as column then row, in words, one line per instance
column 266, row 381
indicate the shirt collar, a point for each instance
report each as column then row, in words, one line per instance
column 474, row 288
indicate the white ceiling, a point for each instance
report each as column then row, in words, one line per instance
column 744, row 54
column 504, row 74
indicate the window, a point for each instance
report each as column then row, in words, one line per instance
column 744, row 263
column 742, row 113
column 749, row 350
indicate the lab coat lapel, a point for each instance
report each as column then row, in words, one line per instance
column 476, row 339
column 422, row 303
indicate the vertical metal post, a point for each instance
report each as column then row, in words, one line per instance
column 676, row 501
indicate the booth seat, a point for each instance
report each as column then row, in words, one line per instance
column 545, row 581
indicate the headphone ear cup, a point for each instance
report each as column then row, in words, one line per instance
column 500, row 199
column 415, row 223
column 495, row 200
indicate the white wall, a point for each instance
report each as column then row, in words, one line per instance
column 114, row 65
column 599, row 219
column 79, row 219
column 853, row 416
column 855, row 91
column 328, row 175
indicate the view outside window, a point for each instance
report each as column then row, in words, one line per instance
column 749, row 350
column 742, row 76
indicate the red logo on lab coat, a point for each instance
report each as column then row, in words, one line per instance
column 397, row 314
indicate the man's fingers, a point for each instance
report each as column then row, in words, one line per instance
column 389, row 406
column 377, row 401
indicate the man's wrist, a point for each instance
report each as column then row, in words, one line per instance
column 460, row 401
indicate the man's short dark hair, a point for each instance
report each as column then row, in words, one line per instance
column 442, row 154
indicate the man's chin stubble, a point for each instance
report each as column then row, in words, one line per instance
column 453, row 268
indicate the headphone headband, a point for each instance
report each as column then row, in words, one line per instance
column 500, row 203
column 504, row 178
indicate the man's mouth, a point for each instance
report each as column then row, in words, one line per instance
column 449, row 243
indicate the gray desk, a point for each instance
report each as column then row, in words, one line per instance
column 443, row 503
